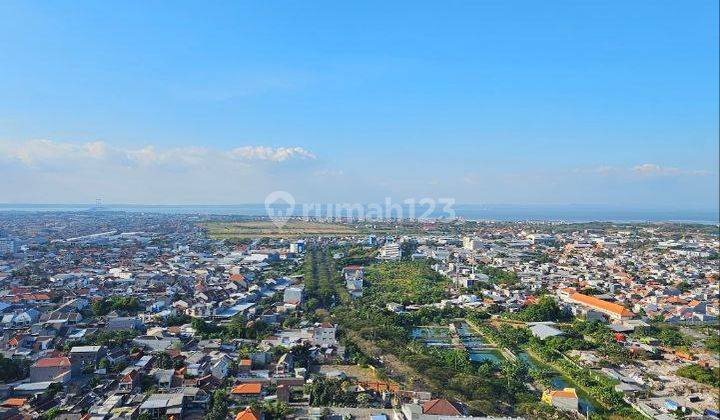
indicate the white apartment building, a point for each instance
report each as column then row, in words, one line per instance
column 390, row 252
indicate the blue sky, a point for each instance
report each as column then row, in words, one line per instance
column 596, row 102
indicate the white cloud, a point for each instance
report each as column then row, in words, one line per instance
column 54, row 171
column 48, row 154
column 645, row 170
column 652, row 169
column 34, row 152
column 278, row 154
column 144, row 156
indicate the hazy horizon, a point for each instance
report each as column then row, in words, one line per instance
column 488, row 212
column 206, row 204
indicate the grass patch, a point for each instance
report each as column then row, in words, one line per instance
column 406, row 282
column 267, row 229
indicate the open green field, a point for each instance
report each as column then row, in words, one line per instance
column 267, row 229
column 406, row 282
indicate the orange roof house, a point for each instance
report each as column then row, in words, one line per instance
column 564, row 393
column 14, row 402
column 441, row 407
column 565, row 399
column 613, row 310
column 237, row 277
column 52, row 362
column 249, row 414
column 247, row 389
column 379, row 386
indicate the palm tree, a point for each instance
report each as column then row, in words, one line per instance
column 275, row 410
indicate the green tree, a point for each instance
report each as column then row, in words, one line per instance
column 11, row 370
column 514, row 375
column 51, row 413
column 163, row 361
column 275, row 410
column 218, row 406
column 546, row 309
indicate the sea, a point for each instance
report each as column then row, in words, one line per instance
column 489, row 212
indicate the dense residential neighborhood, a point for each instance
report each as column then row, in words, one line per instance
column 114, row 315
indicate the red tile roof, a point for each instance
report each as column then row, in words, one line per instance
column 14, row 402
column 596, row 303
column 440, row 407
column 52, row 362
column 252, row 388
column 248, row 414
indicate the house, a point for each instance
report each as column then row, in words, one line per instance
column 250, row 414
column 441, row 407
column 543, row 331
column 159, row 406
column 612, row 310
column 87, row 355
column 260, row 359
column 42, row 343
column 21, row 319
column 244, row 366
column 145, row 362
column 432, row 410
column 59, row 319
column 566, row 399
column 285, row 365
column 110, row 404
column 155, row 343
column 195, row 398
column 165, row 378
column 120, row 323
column 293, row 295
column 239, row 280
column 324, row 334
column 32, row 388
column 247, row 392
column 14, row 402
column 51, row 369
column 220, row 366
column 352, row 272
column 129, row 381
column 354, row 286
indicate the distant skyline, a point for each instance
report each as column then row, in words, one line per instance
column 515, row 102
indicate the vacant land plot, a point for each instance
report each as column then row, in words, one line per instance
column 267, row 229
column 406, row 282
column 364, row 374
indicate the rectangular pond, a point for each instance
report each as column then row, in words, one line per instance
column 433, row 336
column 468, row 337
column 492, row 356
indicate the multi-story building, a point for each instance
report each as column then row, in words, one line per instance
column 390, row 252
